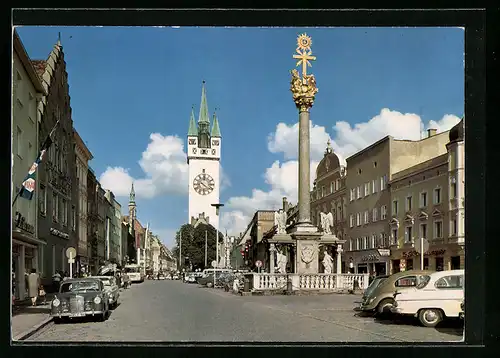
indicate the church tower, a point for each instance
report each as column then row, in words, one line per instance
column 132, row 208
column 203, row 157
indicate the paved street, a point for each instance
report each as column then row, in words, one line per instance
column 173, row 311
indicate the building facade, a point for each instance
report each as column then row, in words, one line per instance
column 58, row 192
column 27, row 248
column 83, row 156
column 369, row 172
column 203, row 157
column 92, row 221
column 128, row 242
column 113, row 228
column 329, row 194
column 102, row 216
column 427, row 201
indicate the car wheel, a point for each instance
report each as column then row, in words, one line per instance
column 430, row 317
column 210, row 284
column 384, row 306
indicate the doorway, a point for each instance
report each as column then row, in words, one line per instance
column 362, row 268
column 455, row 262
column 395, row 266
column 439, row 264
column 380, row 268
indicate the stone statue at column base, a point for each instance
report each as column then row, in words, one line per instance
column 327, row 263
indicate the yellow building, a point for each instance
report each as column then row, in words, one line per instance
column 428, row 201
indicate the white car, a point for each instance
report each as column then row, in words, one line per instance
column 111, row 287
column 437, row 298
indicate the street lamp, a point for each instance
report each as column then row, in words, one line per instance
column 217, row 212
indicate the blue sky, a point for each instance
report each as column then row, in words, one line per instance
column 132, row 90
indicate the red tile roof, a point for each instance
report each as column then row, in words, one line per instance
column 39, row 66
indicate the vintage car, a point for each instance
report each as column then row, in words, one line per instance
column 462, row 309
column 111, row 287
column 373, row 285
column 438, row 298
column 80, row 297
column 381, row 298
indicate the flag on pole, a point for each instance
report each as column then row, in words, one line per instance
column 29, row 183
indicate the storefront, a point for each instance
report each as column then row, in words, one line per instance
column 437, row 258
column 27, row 253
column 374, row 261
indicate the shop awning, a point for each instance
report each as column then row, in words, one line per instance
column 20, row 235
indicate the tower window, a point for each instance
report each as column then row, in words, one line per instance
column 203, row 170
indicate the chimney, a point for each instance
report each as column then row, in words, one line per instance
column 285, row 204
column 431, row 132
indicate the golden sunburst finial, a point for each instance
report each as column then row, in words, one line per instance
column 304, row 42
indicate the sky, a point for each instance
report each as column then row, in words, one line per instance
column 132, row 90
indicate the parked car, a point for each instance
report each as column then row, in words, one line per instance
column 161, row 277
column 462, row 309
column 112, row 288
column 373, row 285
column 381, row 298
column 80, row 297
column 190, row 278
column 175, row 277
column 439, row 298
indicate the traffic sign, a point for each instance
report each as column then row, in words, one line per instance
column 70, row 252
column 258, row 264
column 214, row 263
column 421, row 245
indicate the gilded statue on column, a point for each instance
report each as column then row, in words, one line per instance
column 303, row 87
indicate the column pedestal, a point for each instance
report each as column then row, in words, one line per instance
column 272, row 250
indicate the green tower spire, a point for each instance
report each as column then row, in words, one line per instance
column 215, row 128
column 132, row 195
column 193, row 129
column 203, row 117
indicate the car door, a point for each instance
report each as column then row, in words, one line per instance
column 447, row 294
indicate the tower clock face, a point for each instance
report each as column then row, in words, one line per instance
column 203, row 184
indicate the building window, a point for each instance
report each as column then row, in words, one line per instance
column 437, row 196
column 358, row 243
column 359, row 192
column 55, row 207
column 322, row 192
column 409, row 234
column 339, row 212
column 367, row 217
column 438, row 229
column 372, row 243
column 365, row 242
column 332, row 187
column 423, row 231
column 358, row 219
column 395, row 236
column 19, row 144
column 423, row 199
column 453, row 189
column 350, row 245
column 337, row 184
column 367, row 189
column 383, row 212
column 352, row 194
column 374, row 214
column 73, row 217
column 64, row 212
column 409, row 203
column 395, row 207
column 43, row 200
column 374, row 186
column 383, row 182
column 454, row 226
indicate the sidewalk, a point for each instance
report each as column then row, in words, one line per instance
column 26, row 318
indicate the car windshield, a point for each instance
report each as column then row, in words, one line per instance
column 422, row 281
column 132, row 269
column 79, row 286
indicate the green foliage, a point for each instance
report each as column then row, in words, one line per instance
column 193, row 244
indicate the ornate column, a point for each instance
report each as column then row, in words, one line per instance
column 304, row 89
column 272, row 250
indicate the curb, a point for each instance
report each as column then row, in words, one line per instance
column 33, row 330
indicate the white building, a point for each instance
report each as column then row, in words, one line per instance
column 203, row 157
column 83, row 156
column 27, row 92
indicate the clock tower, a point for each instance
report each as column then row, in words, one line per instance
column 203, row 157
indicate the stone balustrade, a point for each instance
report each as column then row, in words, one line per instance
column 319, row 282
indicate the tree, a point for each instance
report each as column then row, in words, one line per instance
column 193, row 245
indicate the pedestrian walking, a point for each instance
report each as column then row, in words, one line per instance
column 33, row 286
column 42, row 294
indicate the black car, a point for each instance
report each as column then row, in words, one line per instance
column 80, row 297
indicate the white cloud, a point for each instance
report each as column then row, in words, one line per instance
column 164, row 165
column 346, row 140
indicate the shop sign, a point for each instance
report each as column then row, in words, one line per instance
column 384, row 252
column 20, row 222
column 58, row 233
column 410, row 254
column 370, row 258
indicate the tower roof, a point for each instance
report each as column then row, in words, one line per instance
column 215, row 128
column 132, row 195
column 203, row 116
column 193, row 129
